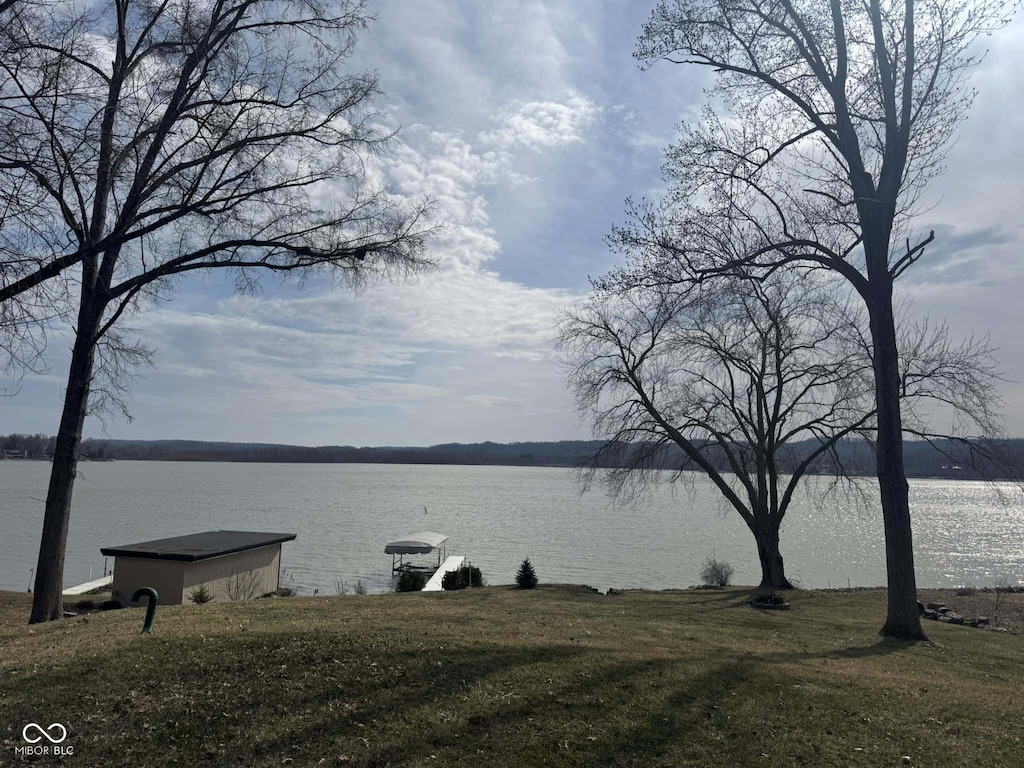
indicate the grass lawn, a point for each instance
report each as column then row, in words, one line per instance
column 498, row 677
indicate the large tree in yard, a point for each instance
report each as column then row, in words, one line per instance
column 754, row 383
column 148, row 140
column 731, row 376
column 836, row 116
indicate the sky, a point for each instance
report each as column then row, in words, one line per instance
column 528, row 123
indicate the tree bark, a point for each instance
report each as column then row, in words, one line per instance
column 773, row 571
column 902, row 617
column 47, row 602
column 877, row 208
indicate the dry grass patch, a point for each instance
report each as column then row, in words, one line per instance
column 556, row 676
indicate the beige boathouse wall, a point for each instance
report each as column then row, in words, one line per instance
column 131, row 573
column 237, row 576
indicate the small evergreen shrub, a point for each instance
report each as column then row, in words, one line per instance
column 466, row 576
column 411, row 581
column 452, row 580
column 716, row 573
column 86, row 605
column 200, row 595
column 526, row 578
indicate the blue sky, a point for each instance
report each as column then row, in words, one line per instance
column 529, row 123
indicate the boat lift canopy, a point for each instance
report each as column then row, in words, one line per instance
column 419, row 543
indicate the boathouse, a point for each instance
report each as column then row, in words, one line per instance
column 231, row 565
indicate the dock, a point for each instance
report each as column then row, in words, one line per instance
column 453, row 563
column 90, row 586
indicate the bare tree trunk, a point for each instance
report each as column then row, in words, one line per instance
column 154, row 92
column 902, row 618
column 773, row 571
column 47, row 602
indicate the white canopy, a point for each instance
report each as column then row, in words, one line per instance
column 419, row 543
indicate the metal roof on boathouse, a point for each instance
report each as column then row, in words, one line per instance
column 199, row 546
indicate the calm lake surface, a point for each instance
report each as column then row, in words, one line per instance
column 345, row 513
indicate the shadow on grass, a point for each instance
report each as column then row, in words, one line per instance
column 687, row 606
column 255, row 700
column 625, row 713
column 882, row 647
column 382, row 699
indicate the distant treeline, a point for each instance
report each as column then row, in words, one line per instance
column 943, row 459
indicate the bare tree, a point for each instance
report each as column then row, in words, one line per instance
column 245, row 585
column 733, row 373
column 148, row 140
column 753, row 382
column 26, row 316
column 840, row 114
column 25, row 321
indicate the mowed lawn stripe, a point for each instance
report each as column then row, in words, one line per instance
column 556, row 676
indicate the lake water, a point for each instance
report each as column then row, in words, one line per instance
column 345, row 513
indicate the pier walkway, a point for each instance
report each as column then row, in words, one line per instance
column 453, row 563
column 89, row 586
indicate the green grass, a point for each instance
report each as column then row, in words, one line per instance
column 556, row 676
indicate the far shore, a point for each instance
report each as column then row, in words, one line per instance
column 922, row 459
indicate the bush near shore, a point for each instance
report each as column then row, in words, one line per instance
column 497, row 676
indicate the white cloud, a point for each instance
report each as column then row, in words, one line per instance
column 492, row 100
column 497, row 401
column 306, row 366
column 327, row 356
column 542, row 124
column 460, row 349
